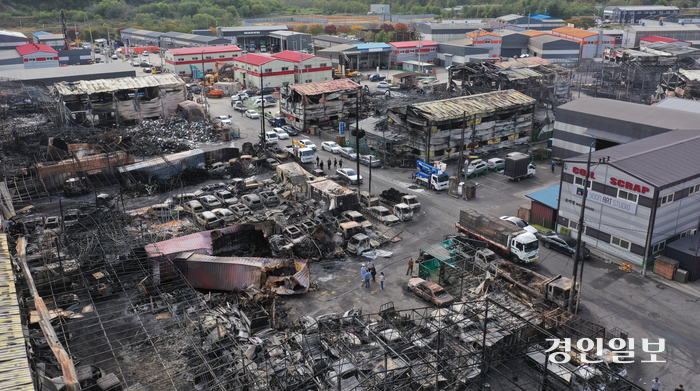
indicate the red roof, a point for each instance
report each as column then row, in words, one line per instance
column 411, row 44
column 205, row 49
column 289, row 55
column 574, row 32
column 32, row 47
column 255, row 59
column 477, row 34
column 656, row 38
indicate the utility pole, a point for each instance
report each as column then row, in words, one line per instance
column 262, row 117
column 461, row 147
column 357, row 137
column 577, row 255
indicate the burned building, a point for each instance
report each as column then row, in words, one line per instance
column 333, row 195
column 313, row 104
column 124, row 100
column 480, row 123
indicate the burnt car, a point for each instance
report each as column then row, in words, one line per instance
column 563, row 243
column 430, row 292
column 269, row 198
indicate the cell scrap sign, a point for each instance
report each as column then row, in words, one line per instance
column 591, row 351
column 613, row 202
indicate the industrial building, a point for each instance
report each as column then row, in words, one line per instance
column 642, row 195
column 550, row 46
column 634, row 13
column 49, row 76
column 307, row 67
column 244, row 36
column 175, row 40
column 137, row 37
column 205, row 59
column 11, row 39
column 592, row 43
column 459, row 52
column 513, row 43
column 652, row 39
column 608, row 123
column 485, row 40
column 256, row 71
column 634, row 33
column 55, row 41
column 38, row 56
column 438, row 32
column 315, row 104
column 422, row 51
column 123, row 100
column 359, row 56
column 479, row 123
column 290, row 40
column 326, row 41
column 532, row 22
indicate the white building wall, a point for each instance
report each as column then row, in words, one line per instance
column 314, row 69
column 181, row 64
column 275, row 73
column 40, row 60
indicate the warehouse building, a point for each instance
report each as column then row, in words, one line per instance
column 249, row 37
column 307, row 67
column 652, row 40
column 137, row 37
column 290, row 40
column 459, row 52
column 49, row 76
column 205, row 59
column 12, row 39
column 632, row 14
column 359, row 55
column 485, row 40
column 532, row 22
column 634, row 33
column 256, row 71
column 326, row 41
column 438, row 32
column 550, row 46
column 56, row 41
column 175, row 40
column 485, row 122
column 609, row 122
column 642, row 195
column 315, row 104
column 513, row 43
column 423, row 51
column 38, row 56
column 592, row 44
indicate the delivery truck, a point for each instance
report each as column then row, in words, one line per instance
column 518, row 167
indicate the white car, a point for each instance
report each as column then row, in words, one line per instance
column 252, row 114
column 514, row 154
column 383, row 84
column 239, row 96
column 330, row 146
column 281, row 134
column 349, row 175
column 223, row 120
column 520, row 223
column 308, row 143
column 496, row 163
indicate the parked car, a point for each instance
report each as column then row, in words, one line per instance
column 225, row 197
column 384, row 215
column 98, row 50
column 349, row 175
column 267, row 91
column 514, row 154
column 308, row 143
column 239, row 97
column 193, row 207
column 224, row 214
column 208, row 220
column 348, row 153
column 252, row 201
column 240, row 210
column 115, row 57
column 430, row 292
column 383, row 84
column 180, row 199
column 210, row 202
column 281, row 134
column 269, row 198
column 366, row 159
column 563, row 243
column 144, row 64
column 223, row 120
column 239, row 106
column 147, row 70
column 476, row 167
column 159, row 211
column 266, row 99
column 195, row 88
column 330, row 146
column 290, row 130
column 252, row 114
column 496, row 164
column 377, row 77
column 210, row 189
column 520, row 223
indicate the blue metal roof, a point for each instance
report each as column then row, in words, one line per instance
column 372, row 47
column 548, row 196
column 541, row 16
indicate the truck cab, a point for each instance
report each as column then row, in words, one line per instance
column 524, row 247
column 359, row 244
column 432, row 177
column 271, row 137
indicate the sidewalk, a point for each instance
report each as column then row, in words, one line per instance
column 690, row 288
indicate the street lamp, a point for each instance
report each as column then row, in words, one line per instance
column 420, row 64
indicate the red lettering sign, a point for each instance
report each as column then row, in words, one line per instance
column 629, row 185
column 582, row 172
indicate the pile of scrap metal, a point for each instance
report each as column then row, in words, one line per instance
column 533, row 76
column 682, row 84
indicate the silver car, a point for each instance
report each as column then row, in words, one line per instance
column 348, row 153
column 349, row 175
column 366, row 159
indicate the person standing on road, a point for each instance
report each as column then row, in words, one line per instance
column 363, row 271
column 680, row 388
column 655, row 384
column 367, row 275
column 553, row 165
column 321, row 164
column 381, row 279
column 335, row 163
column 410, row 267
column 373, row 272
column 329, row 163
column 340, row 163
column 317, row 159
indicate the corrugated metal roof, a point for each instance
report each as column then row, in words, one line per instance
column 412, row 44
column 324, row 87
column 673, row 103
column 548, row 196
column 200, row 243
column 289, row 55
column 662, row 161
column 526, row 62
column 205, row 50
column 474, row 104
column 14, row 364
column 161, row 160
column 111, row 85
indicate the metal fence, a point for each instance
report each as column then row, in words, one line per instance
column 250, row 22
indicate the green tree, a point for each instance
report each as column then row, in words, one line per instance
column 661, row 2
column 301, row 28
column 587, row 22
column 316, row 29
column 202, row 21
column 233, row 11
column 188, row 8
column 380, row 37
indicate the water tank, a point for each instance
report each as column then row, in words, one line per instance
column 642, row 23
column 682, row 23
column 661, row 23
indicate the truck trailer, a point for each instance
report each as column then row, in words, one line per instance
column 518, row 167
column 502, row 236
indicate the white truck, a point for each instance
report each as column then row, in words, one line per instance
column 502, row 236
column 300, row 152
column 403, row 212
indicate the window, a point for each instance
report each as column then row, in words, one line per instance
column 432, row 49
column 573, row 225
column 208, row 57
column 578, row 180
column 621, row 243
column 658, row 247
column 285, row 68
column 411, row 51
column 626, row 195
column 268, row 70
column 694, row 189
column 181, row 59
column 308, row 81
column 222, row 56
column 323, row 64
column 689, row 232
column 667, row 199
column 307, row 66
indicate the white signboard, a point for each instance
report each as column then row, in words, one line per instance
column 613, row 202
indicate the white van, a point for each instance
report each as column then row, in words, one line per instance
column 271, row 137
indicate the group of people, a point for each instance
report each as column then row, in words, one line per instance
column 656, row 385
column 371, row 272
column 336, row 163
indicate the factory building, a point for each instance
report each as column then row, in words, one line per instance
column 423, row 51
column 632, row 14
column 550, row 46
column 513, row 43
column 256, row 71
column 249, row 38
column 634, row 33
column 608, row 123
column 38, row 56
column 175, row 40
column 12, row 39
column 290, row 40
column 56, row 41
column 205, row 59
column 485, row 40
column 642, row 195
column 532, row 22
column 439, row 32
column 137, row 37
column 459, row 52
column 592, row 43
column 307, row 67
column 309, row 105
column 359, row 55
column 484, row 122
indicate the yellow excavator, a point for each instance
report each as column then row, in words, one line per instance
column 348, row 73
